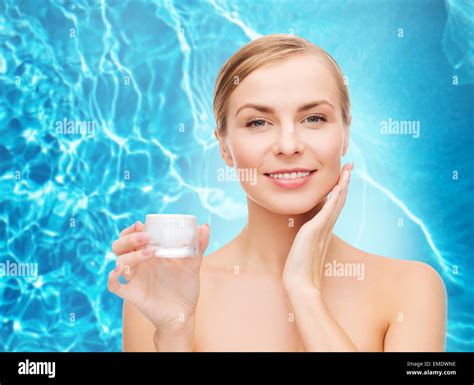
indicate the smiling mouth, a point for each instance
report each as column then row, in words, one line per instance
column 292, row 174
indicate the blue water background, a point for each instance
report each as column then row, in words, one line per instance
column 144, row 73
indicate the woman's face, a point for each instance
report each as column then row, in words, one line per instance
column 284, row 121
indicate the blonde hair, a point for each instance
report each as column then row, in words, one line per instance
column 266, row 50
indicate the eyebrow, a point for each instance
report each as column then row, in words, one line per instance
column 270, row 110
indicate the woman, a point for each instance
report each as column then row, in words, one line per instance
column 282, row 109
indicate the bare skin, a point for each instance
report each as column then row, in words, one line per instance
column 268, row 289
column 399, row 306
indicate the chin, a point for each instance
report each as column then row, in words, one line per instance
column 288, row 205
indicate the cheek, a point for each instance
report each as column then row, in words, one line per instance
column 328, row 151
column 327, row 147
column 247, row 152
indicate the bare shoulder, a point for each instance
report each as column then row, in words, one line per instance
column 216, row 269
column 409, row 277
column 398, row 270
column 401, row 280
column 415, row 274
column 419, row 285
column 412, row 297
column 222, row 260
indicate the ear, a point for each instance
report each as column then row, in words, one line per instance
column 347, row 130
column 225, row 153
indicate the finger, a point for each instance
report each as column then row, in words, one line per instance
column 343, row 182
column 128, row 230
column 133, row 259
column 318, row 222
column 346, row 181
column 347, row 167
column 341, row 200
column 113, row 283
column 204, row 234
column 130, row 242
column 203, row 237
column 346, row 189
column 137, row 226
column 330, row 211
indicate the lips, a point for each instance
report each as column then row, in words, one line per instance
column 290, row 178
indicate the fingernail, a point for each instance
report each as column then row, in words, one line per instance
column 142, row 237
column 207, row 226
column 345, row 175
column 148, row 250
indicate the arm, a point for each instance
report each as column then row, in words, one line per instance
column 137, row 331
column 303, row 271
column 310, row 310
column 419, row 320
column 180, row 340
column 160, row 294
column 140, row 335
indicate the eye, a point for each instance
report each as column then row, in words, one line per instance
column 256, row 123
column 315, row 119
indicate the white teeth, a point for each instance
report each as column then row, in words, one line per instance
column 293, row 175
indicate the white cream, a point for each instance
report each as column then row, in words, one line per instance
column 174, row 235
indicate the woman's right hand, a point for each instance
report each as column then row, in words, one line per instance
column 165, row 290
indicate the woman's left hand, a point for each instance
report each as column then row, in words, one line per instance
column 304, row 265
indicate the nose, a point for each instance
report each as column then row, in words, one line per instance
column 287, row 141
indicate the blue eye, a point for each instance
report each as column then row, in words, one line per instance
column 315, row 119
column 256, row 123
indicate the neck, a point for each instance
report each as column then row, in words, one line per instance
column 266, row 239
